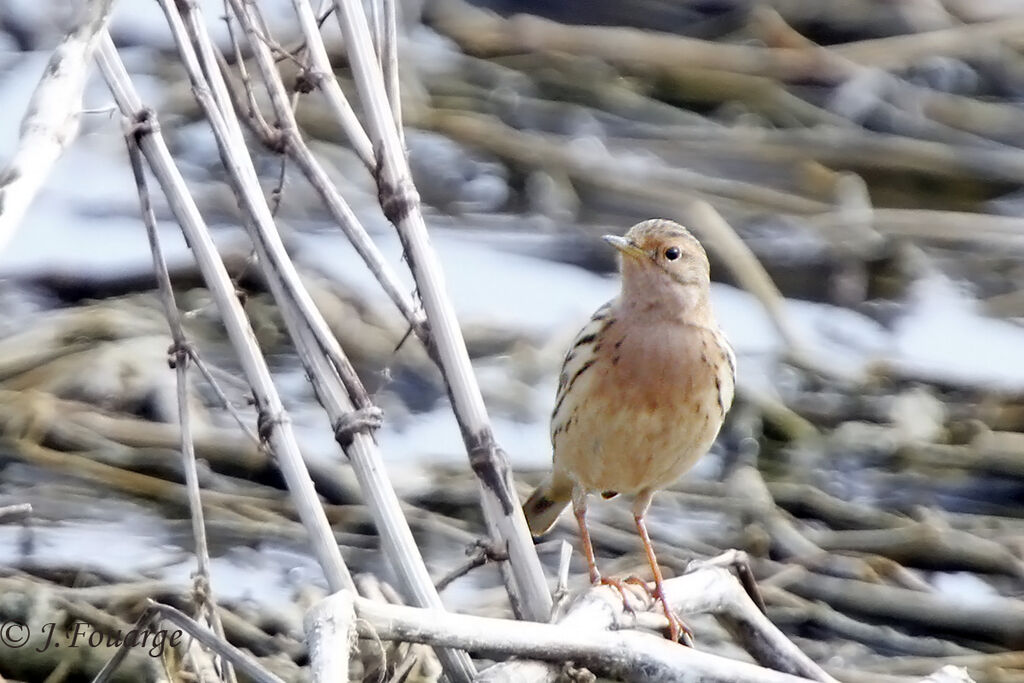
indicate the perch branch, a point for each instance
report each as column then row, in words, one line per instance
column 710, row 589
column 622, row 654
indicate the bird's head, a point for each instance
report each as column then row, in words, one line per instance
column 663, row 265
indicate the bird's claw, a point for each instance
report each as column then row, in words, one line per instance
column 620, row 587
column 678, row 631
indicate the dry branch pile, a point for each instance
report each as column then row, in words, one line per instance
column 876, row 507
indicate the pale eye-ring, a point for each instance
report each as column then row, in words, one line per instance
column 672, row 253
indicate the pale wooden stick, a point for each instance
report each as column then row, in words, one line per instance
column 709, row 589
column 330, row 635
column 349, row 407
column 215, row 101
column 480, row 31
column 606, row 169
column 385, row 507
column 298, row 151
column 999, row 620
column 897, row 52
column 376, row 30
column 245, row 664
column 389, row 64
column 855, row 147
column 524, row 576
column 627, row 655
column 9, row 513
column 202, row 582
column 322, row 75
column 51, row 120
column 276, row 429
column 952, row 228
column 106, row 673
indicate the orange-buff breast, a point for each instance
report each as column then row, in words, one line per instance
column 646, row 410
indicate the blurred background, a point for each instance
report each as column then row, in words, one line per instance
column 867, row 155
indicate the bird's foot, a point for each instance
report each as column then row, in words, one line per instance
column 637, row 581
column 619, row 585
column 678, row 631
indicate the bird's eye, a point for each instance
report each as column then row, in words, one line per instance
column 672, row 253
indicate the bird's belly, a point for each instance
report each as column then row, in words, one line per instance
column 630, row 439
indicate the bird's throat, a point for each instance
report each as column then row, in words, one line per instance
column 654, row 299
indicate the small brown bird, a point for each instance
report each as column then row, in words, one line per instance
column 643, row 390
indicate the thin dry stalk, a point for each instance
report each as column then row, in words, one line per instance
column 286, row 137
column 482, row 32
column 322, row 75
column 104, row 675
column 243, row 662
column 608, row 170
column 336, row 383
column 330, row 635
column 400, row 203
column 385, row 507
column 222, row 397
column 51, row 120
column 896, row 52
column 202, row 581
column 389, row 64
column 855, row 147
column 214, row 99
column 275, row 428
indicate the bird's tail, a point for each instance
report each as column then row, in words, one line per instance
column 546, row 503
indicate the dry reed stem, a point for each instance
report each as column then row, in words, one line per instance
column 51, row 121
column 330, row 635
column 278, row 433
column 400, row 203
column 243, row 662
column 203, row 592
column 349, row 408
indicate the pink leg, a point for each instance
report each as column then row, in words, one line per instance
column 579, row 510
column 677, row 629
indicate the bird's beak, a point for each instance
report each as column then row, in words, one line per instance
column 625, row 246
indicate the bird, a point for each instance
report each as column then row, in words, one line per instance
column 642, row 394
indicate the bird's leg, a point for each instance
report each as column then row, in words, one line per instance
column 579, row 510
column 676, row 628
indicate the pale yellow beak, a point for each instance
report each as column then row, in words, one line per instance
column 625, row 246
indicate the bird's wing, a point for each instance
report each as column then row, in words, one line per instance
column 579, row 357
column 727, row 375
